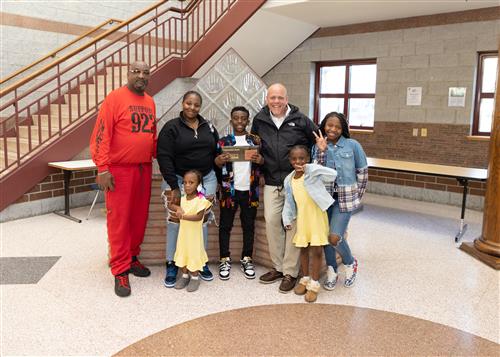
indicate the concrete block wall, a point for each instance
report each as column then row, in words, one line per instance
column 88, row 13
column 432, row 57
column 34, row 19
column 16, row 53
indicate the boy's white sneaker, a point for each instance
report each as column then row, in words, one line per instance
column 224, row 268
column 247, row 267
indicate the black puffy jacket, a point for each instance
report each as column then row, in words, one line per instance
column 297, row 129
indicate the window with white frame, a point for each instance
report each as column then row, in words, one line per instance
column 485, row 93
column 347, row 87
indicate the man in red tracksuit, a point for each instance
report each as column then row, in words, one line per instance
column 122, row 146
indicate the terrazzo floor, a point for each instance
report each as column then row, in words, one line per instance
column 409, row 265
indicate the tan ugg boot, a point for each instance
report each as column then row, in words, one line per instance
column 312, row 291
column 300, row 288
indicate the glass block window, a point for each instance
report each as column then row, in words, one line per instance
column 229, row 83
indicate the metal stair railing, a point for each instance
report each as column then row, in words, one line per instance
column 51, row 101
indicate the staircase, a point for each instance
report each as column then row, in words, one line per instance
column 75, row 107
column 49, row 115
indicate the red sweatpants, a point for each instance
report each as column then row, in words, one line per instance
column 127, row 208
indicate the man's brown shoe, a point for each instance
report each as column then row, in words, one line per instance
column 271, row 276
column 287, row 284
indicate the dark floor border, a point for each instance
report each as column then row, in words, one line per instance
column 310, row 330
column 25, row 270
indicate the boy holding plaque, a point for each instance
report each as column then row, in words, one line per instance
column 239, row 160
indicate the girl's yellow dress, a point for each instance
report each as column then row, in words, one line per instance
column 190, row 251
column 312, row 222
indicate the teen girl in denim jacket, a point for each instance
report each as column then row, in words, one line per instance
column 336, row 150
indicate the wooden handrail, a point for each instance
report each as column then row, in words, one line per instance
column 90, row 43
column 53, row 53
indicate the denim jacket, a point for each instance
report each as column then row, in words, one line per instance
column 349, row 159
column 315, row 178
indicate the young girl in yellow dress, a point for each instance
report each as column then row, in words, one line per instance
column 190, row 254
column 306, row 201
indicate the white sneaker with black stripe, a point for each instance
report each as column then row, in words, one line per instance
column 224, row 268
column 247, row 267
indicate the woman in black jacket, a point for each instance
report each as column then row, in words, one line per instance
column 188, row 142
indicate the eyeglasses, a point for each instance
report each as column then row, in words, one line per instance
column 138, row 71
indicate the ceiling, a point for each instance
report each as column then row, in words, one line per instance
column 326, row 13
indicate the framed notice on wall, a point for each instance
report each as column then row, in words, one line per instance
column 456, row 96
column 414, row 96
column 240, row 153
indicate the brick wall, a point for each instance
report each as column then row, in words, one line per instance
column 53, row 185
column 444, row 144
column 477, row 188
column 153, row 248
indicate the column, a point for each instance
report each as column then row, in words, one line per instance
column 487, row 247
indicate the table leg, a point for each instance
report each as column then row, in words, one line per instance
column 463, row 227
column 67, row 177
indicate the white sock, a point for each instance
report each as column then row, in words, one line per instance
column 313, row 284
column 185, row 276
column 304, row 280
column 194, row 277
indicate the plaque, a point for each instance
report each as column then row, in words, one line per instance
column 240, row 153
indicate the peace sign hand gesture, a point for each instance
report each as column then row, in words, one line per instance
column 321, row 142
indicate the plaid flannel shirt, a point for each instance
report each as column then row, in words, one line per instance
column 227, row 191
column 349, row 196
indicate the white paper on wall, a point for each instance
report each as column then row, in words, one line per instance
column 414, row 96
column 456, row 96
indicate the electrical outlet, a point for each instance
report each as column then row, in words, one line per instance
column 415, row 131
column 423, row 132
